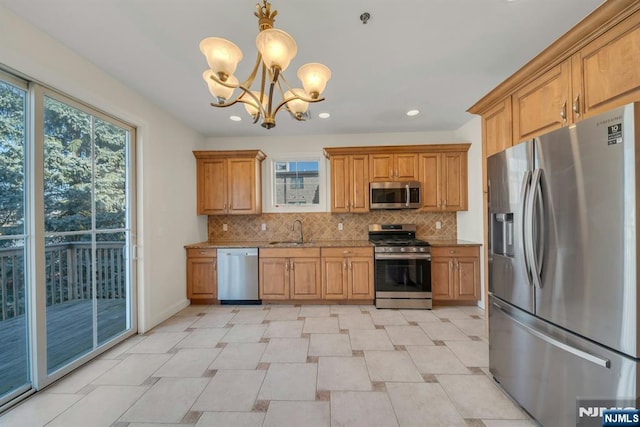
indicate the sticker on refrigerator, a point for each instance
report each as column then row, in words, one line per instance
column 614, row 134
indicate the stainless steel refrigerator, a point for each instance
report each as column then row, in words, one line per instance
column 563, row 268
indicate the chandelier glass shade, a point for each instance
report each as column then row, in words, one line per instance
column 276, row 49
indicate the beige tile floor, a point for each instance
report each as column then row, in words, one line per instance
column 275, row 365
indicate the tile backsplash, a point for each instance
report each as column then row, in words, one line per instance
column 324, row 225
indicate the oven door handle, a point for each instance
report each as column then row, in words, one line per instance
column 403, row 255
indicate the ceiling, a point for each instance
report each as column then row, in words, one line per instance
column 437, row 56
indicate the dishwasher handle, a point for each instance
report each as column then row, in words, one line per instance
column 252, row 252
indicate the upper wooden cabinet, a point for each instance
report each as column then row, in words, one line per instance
column 393, row 167
column 444, row 181
column 606, row 72
column 497, row 128
column 594, row 67
column 440, row 168
column 350, row 183
column 229, row 182
column 543, row 104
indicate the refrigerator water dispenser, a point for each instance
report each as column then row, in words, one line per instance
column 502, row 234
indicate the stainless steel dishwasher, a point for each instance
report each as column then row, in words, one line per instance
column 238, row 276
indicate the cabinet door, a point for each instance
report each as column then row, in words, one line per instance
column 381, row 167
column 360, row 276
column 334, row 278
column 305, row 280
column 201, row 278
column 242, row 186
column 430, row 171
column 442, row 278
column 340, row 184
column 274, row 278
column 405, row 167
column 543, row 104
column 454, row 181
column 467, row 278
column 212, row 186
column 609, row 68
column 497, row 130
column 359, row 183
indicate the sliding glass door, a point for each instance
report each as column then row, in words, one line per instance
column 15, row 374
column 66, row 235
column 86, row 228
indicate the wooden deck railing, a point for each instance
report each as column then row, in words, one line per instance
column 67, row 274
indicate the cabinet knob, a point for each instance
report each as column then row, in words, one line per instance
column 563, row 111
column 344, row 264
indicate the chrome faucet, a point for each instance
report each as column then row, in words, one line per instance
column 293, row 227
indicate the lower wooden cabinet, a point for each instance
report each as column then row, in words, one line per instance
column 202, row 286
column 347, row 273
column 455, row 273
column 290, row 273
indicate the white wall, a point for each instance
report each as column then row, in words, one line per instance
column 471, row 222
column 165, row 164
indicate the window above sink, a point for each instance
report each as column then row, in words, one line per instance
column 296, row 184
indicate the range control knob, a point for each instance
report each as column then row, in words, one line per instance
column 422, row 249
column 402, row 249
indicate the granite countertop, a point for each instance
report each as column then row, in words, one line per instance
column 453, row 242
column 285, row 244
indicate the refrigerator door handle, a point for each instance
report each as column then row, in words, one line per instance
column 522, row 213
column 535, row 228
column 528, row 231
column 540, row 222
column 605, row 363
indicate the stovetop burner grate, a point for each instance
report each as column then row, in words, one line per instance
column 394, row 235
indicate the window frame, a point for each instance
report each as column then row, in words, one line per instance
column 270, row 205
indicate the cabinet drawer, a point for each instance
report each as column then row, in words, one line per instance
column 455, row 251
column 347, row 252
column 290, row 252
column 202, row 253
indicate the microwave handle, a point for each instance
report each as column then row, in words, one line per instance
column 408, row 194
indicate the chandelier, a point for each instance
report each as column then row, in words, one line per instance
column 276, row 49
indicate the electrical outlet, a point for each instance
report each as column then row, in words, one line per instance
column 340, row 226
column 263, row 227
column 438, row 225
column 225, row 227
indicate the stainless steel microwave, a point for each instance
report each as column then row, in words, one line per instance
column 394, row 195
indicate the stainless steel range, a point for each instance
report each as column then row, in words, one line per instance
column 402, row 267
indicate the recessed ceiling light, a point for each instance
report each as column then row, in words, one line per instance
column 235, row 118
column 324, row 115
column 412, row 113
